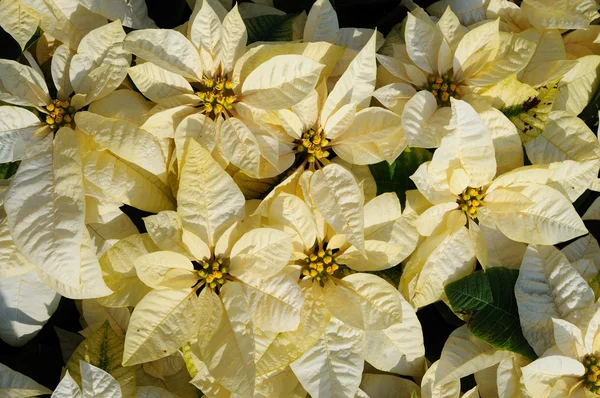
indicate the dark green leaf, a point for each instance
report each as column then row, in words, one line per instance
column 7, row 170
column 590, row 114
column 391, row 275
column 395, row 177
column 270, row 28
column 33, row 39
column 489, row 301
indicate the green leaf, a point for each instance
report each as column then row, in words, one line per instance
column 590, row 114
column 103, row 349
column 270, row 28
column 395, row 177
column 7, row 170
column 34, row 38
column 390, row 275
column 488, row 299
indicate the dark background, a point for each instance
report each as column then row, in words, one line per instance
column 41, row 358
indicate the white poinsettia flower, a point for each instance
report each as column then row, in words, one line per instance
column 571, row 151
column 497, row 372
column 544, row 14
column 90, row 73
column 322, row 25
column 543, row 294
column 432, row 388
column 95, row 382
column 68, row 21
column 212, row 277
column 541, row 14
column 197, row 80
column 339, row 122
column 512, row 17
column 464, row 197
column 65, row 20
column 567, row 63
column 584, row 256
column 357, row 316
column 553, row 60
column 570, row 367
column 48, row 146
column 342, row 120
column 445, row 60
column 19, row 281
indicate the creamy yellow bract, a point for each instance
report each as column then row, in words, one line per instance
column 464, row 203
column 209, row 258
column 194, row 77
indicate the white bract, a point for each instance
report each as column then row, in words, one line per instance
column 193, row 79
column 342, row 120
column 445, row 61
column 360, row 315
column 46, row 202
column 214, row 275
column 16, row 384
column 570, row 367
column 462, row 196
column 549, row 287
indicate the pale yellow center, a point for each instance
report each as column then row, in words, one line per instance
column 469, row 201
column 319, row 265
column 591, row 378
column 60, row 114
column 442, row 88
column 212, row 272
column 313, row 144
column 216, row 96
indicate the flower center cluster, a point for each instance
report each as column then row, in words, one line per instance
column 443, row 88
column 60, row 113
column 319, row 265
column 313, row 144
column 470, row 200
column 592, row 371
column 216, row 95
column 212, row 272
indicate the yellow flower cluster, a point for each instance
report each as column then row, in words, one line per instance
column 213, row 273
column 443, row 88
column 313, row 144
column 319, row 265
column 592, row 371
column 470, row 200
column 60, row 113
column 216, row 95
